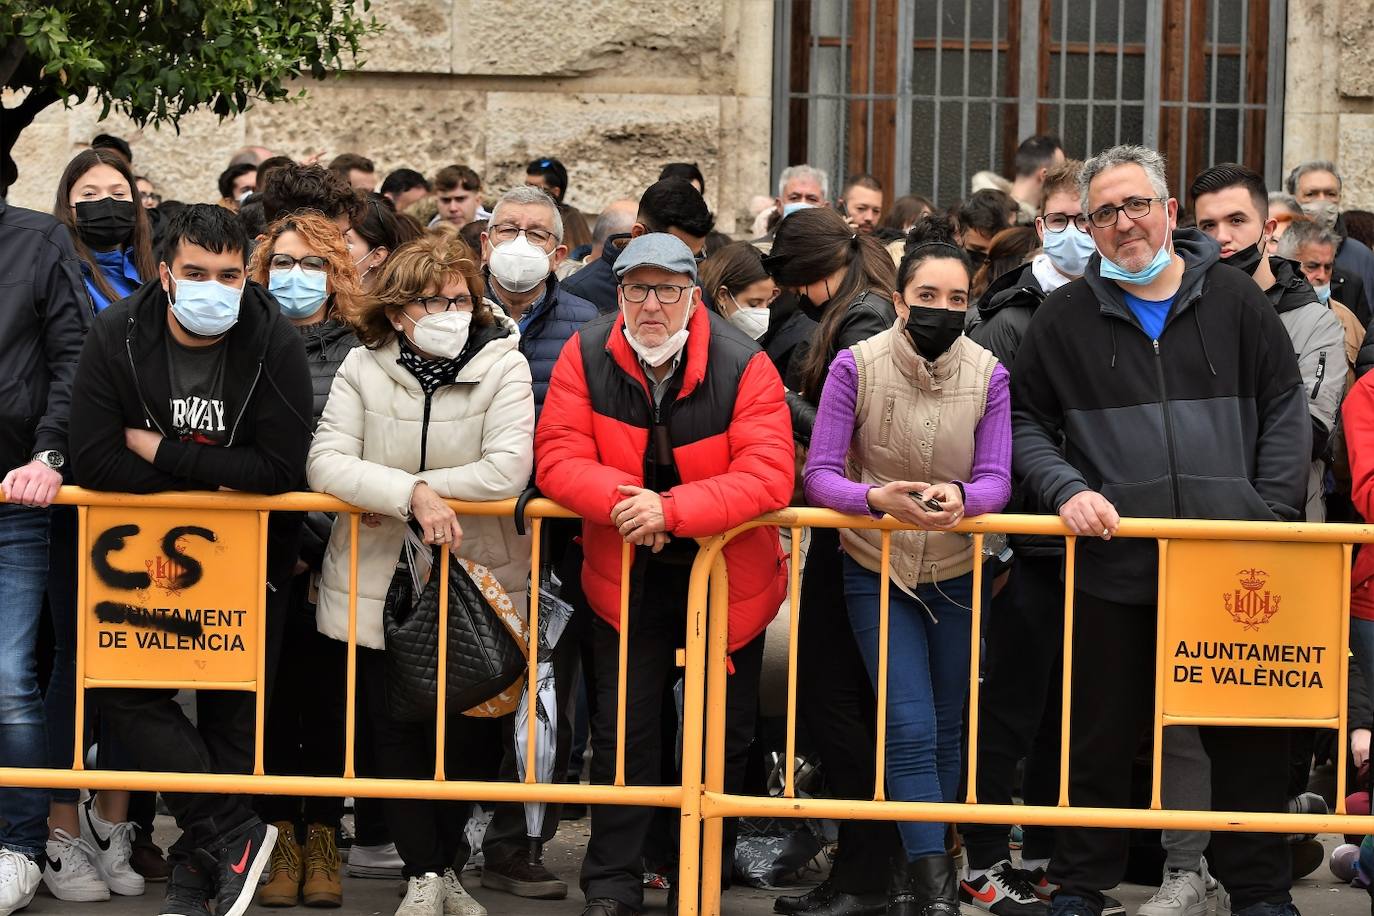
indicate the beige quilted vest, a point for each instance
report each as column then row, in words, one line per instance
column 915, row 421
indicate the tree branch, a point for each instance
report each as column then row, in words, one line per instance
column 10, row 58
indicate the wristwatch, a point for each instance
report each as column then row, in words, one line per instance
column 52, row 458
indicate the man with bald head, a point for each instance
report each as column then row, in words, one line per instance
column 252, row 155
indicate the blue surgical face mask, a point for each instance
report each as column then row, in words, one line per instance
column 1143, row 277
column 1323, row 293
column 789, row 209
column 1069, row 250
column 300, row 293
column 206, row 308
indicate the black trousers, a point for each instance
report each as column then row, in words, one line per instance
column 428, row 833
column 1113, row 705
column 152, row 733
column 305, row 721
column 1019, row 706
column 836, row 714
column 613, row 866
column 508, row 833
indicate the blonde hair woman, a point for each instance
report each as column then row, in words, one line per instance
column 438, row 405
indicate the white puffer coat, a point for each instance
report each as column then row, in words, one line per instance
column 479, row 447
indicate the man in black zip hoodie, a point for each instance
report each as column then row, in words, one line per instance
column 196, row 382
column 1162, row 384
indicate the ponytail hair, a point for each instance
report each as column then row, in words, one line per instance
column 810, row 245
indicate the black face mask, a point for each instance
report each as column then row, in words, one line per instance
column 106, row 223
column 808, row 308
column 1247, row 259
column 933, row 331
column 976, row 258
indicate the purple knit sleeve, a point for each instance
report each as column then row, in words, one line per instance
column 989, row 487
column 824, row 478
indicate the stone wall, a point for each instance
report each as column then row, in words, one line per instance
column 612, row 89
column 1329, row 91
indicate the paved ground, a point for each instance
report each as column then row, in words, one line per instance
column 1317, row 895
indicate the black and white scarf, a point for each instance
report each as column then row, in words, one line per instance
column 432, row 374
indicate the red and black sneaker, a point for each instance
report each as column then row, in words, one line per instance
column 1003, row 891
column 238, row 865
column 1039, row 881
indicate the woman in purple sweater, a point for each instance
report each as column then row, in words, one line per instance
column 916, row 423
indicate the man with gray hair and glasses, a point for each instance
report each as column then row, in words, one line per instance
column 522, row 249
column 1161, row 384
column 1318, row 185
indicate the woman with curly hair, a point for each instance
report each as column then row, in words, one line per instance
column 304, row 262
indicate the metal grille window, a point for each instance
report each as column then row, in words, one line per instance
column 925, row 93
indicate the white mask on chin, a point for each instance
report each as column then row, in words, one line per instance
column 658, row 355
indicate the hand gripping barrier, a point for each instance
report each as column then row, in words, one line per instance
column 1206, row 567
column 209, row 541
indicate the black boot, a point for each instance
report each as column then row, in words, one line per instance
column 925, row 887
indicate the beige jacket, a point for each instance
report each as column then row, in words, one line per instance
column 915, row 420
column 480, row 447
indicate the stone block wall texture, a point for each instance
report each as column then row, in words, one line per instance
column 614, row 90
column 1329, row 91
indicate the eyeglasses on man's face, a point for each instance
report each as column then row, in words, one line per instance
column 665, row 293
column 1105, row 217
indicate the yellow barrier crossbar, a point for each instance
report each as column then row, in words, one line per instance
column 701, row 797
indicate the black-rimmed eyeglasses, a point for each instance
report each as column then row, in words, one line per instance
column 436, row 304
column 1103, row 217
column 665, row 293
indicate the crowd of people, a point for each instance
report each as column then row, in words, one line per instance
column 1068, row 342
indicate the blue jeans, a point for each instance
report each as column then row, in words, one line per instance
column 23, row 732
column 927, row 684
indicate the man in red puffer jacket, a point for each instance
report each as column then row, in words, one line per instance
column 663, row 423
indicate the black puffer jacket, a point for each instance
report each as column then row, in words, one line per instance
column 868, row 314
column 326, row 345
column 1004, row 315
column 786, row 339
column 1005, row 312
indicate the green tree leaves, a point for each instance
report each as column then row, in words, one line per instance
column 157, row 60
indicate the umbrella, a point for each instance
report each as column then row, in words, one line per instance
column 554, row 614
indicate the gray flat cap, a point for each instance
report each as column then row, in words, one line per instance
column 657, row 249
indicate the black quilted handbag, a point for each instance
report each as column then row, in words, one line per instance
column 483, row 658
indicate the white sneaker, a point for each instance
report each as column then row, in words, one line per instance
column 374, row 861
column 424, row 896
column 70, row 875
column 19, row 878
column 457, row 901
column 112, row 845
column 1182, row 893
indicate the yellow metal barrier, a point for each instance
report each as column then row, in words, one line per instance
column 709, row 585
column 122, row 519
column 700, row 798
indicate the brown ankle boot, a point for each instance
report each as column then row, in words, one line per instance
column 323, row 886
column 283, row 887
